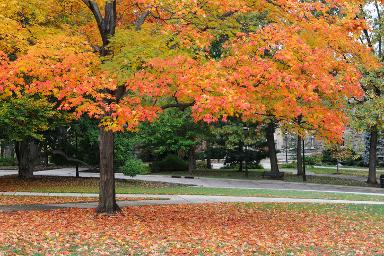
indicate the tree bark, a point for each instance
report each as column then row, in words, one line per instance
column 373, row 156
column 299, row 156
column 107, row 196
column 26, row 152
column 209, row 160
column 191, row 160
column 2, row 144
column 270, row 132
column 107, row 26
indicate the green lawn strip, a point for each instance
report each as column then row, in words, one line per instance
column 250, row 193
column 359, row 173
column 258, row 175
column 351, row 210
column 91, row 185
column 215, row 192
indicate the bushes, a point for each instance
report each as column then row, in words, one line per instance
column 313, row 159
column 292, row 165
column 171, row 163
column 4, row 161
column 134, row 166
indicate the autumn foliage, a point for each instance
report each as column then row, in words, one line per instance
column 286, row 59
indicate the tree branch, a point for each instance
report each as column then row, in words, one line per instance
column 141, row 19
column 181, row 106
column 94, row 8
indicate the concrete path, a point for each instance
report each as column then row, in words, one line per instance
column 167, row 200
column 220, row 183
column 227, row 183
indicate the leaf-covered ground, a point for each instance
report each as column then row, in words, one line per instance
column 211, row 229
column 29, row 200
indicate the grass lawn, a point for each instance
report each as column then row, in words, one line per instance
column 90, row 185
column 210, row 229
column 344, row 170
column 257, row 174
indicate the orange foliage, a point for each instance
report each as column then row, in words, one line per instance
column 299, row 65
column 221, row 229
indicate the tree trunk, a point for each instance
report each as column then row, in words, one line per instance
column 209, row 162
column 26, row 152
column 46, row 155
column 208, row 152
column 272, row 147
column 373, row 156
column 191, row 160
column 299, row 157
column 107, row 196
column 2, row 145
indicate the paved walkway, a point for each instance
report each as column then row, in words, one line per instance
column 228, row 183
column 220, row 183
column 166, row 200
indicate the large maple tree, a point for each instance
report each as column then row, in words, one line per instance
column 273, row 60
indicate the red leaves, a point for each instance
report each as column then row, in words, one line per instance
column 221, row 229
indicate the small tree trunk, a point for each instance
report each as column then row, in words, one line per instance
column 2, row 144
column 373, row 157
column 241, row 166
column 209, row 162
column 241, row 156
column 26, row 152
column 299, row 157
column 272, row 147
column 107, row 196
column 191, row 160
column 46, row 155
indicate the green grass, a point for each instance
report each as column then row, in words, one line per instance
column 90, row 185
column 344, row 170
column 373, row 210
column 257, row 174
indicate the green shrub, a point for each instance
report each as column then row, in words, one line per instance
column 5, row 161
column 292, row 165
column 201, row 165
column 134, row 166
column 313, row 160
column 171, row 163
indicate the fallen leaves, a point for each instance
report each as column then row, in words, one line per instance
column 30, row 200
column 218, row 229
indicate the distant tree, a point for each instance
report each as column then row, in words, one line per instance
column 24, row 121
column 175, row 132
column 240, row 142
